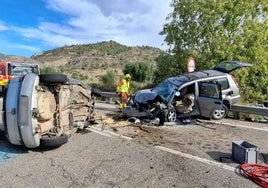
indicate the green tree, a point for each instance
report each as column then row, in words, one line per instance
column 108, row 81
column 212, row 31
column 166, row 66
column 75, row 75
column 140, row 71
column 48, row 70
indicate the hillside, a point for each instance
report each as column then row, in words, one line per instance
column 89, row 61
column 93, row 60
column 4, row 57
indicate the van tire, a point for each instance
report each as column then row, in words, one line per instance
column 218, row 114
column 53, row 78
column 54, row 141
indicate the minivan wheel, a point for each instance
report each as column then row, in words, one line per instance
column 220, row 113
column 47, row 141
column 171, row 115
column 53, row 78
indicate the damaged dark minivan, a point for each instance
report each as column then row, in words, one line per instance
column 207, row 93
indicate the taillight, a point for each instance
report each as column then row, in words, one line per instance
column 235, row 81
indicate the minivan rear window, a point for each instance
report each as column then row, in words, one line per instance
column 223, row 82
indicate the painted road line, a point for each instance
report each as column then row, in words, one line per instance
column 248, row 127
column 107, row 133
column 120, row 135
column 235, row 125
column 203, row 160
column 98, row 131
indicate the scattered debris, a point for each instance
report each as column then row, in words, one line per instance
column 134, row 120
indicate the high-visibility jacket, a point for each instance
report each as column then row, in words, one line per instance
column 123, row 86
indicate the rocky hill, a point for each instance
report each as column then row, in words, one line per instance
column 93, row 60
column 89, row 61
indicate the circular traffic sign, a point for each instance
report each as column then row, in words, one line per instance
column 191, row 65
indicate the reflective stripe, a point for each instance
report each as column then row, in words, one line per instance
column 124, row 86
column 3, row 82
column 4, row 79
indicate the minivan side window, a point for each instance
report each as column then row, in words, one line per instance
column 223, row 82
column 208, row 89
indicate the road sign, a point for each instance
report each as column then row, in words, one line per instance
column 191, row 64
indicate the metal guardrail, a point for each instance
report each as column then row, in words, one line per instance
column 101, row 93
column 258, row 110
column 109, row 96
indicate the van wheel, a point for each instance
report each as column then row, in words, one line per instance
column 47, row 141
column 220, row 113
column 53, row 78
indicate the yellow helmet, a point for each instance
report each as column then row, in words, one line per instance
column 128, row 76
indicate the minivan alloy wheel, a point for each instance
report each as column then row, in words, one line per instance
column 171, row 115
column 220, row 113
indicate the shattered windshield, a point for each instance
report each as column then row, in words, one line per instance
column 164, row 89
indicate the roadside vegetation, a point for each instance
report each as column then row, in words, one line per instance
column 213, row 31
column 210, row 31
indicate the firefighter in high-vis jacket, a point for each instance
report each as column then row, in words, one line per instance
column 122, row 90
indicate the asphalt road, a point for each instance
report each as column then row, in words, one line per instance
column 96, row 158
column 93, row 160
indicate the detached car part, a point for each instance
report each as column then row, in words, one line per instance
column 45, row 109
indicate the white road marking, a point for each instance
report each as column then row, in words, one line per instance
column 248, row 127
column 203, row 160
column 107, row 133
column 263, row 128
column 98, row 131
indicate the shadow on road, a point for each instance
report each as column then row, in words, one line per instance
column 8, row 151
column 220, row 156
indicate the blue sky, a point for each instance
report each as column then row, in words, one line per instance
column 28, row 27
